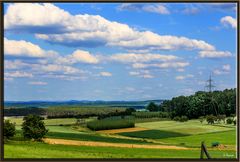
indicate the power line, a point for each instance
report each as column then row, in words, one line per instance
column 210, row 85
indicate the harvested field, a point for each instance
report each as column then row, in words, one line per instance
column 105, row 144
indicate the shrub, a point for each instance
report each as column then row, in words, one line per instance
column 221, row 118
column 33, row 127
column 152, row 107
column 215, row 144
column 210, row 119
column 151, row 114
column 201, row 119
column 235, row 121
column 110, row 124
column 183, row 119
column 9, row 129
column 176, row 118
column 229, row 120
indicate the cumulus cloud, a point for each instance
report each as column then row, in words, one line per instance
column 229, row 21
column 214, row 54
column 155, row 8
column 78, row 56
column 24, row 48
column 55, row 25
column 38, row 83
column 18, row 74
column 105, row 74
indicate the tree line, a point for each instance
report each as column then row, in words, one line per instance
column 200, row 104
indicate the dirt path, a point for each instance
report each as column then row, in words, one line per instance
column 113, row 131
column 105, row 144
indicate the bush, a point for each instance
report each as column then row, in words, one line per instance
column 210, row 119
column 183, row 119
column 151, row 114
column 152, row 107
column 33, row 127
column 201, row 119
column 215, row 144
column 110, row 124
column 221, row 118
column 235, row 121
column 176, row 118
column 229, row 120
column 9, row 129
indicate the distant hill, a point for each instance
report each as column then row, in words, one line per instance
column 46, row 104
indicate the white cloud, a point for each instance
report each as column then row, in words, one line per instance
column 139, row 58
column 224, row 70
column 57, row 68
column 24, row 48
column 141, row 74
column 78, row 56
column 214, row 54
column 38, row 83
column 161, row 65
column 180, row 70
column 18, row 74
column 226, row 67
column 155, row 8
column 105, row 74
column 182, row 77
column 229, row 21
column 55, row 25
column 16, row 64
column 160, row 9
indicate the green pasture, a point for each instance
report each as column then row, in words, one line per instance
column 189, row 127
column 173, row 138
column 41, row 150
column 225, row 138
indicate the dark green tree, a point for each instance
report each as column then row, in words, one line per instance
column 33, row 127
column 152, row 107
column 210, row 119
column 9, row 129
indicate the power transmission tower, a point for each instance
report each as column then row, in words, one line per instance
column 210, row 85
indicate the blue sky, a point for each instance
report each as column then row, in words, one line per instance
column 117, row 51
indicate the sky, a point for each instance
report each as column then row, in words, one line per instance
column 117, row 51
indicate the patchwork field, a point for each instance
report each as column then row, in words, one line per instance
column 148, row 139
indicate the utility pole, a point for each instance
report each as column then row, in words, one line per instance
column 210, row 85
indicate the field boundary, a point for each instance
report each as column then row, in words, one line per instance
column 106, row 144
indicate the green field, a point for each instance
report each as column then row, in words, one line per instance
column 41, row 150
column 190, row 127
column 169, row 133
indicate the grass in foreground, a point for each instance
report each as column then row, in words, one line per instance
column 42, row 150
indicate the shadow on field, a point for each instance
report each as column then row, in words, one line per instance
column 153, row 134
